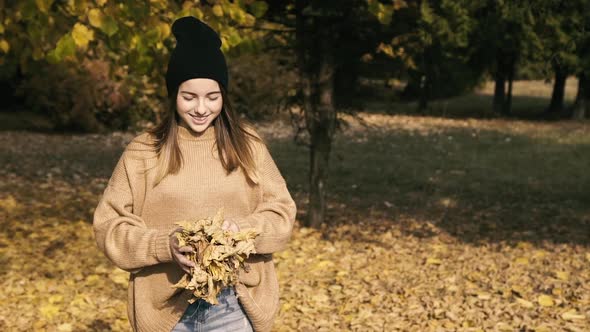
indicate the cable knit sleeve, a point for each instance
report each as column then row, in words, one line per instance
column 122, row 235
column 274, row 216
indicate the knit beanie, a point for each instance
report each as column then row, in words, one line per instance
column 197, row 54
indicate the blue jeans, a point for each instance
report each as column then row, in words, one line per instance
column 227, row 315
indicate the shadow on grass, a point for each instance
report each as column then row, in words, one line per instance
column 25, row 121
column 471, row 106
column 58, row 175
column 476, row 186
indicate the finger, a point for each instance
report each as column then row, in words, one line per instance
column 184, row 261
column 175, row 233
column 174, row 240
column 230, row 225
column 179, row 257
column 225, row 225
column 185, row 269
column 186, row 249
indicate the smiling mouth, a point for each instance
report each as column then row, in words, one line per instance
column 198, row 117
column 199, row 120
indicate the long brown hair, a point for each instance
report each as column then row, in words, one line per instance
column 232, row 140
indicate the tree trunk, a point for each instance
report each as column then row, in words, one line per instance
column 499, row 91
column 581, row 107
column 507, row 110
column 580, row 88
column 316, row 68
column 320, row 121
column 423, row 101
column 425, row 81
column 556, row 104
column 346, row 85
column 321, row 143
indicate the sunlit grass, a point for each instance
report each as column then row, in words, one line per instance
column 530, row 101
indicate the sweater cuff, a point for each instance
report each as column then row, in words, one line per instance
column 162, row 245
column 244, row 224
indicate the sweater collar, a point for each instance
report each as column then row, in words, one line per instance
column 190, row 135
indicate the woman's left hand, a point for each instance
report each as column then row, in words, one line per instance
column 230, row 225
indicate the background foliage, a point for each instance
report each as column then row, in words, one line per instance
column 92, row 64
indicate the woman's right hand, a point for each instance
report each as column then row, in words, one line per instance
column 177, row 252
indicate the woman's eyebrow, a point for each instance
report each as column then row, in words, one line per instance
column 194, row 94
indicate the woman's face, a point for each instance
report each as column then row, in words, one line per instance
column 198, row 103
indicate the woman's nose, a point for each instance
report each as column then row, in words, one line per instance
column 200, row 108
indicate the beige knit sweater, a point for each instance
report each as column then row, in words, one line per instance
column 133, row 221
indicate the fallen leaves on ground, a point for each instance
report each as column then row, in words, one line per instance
column 370, row 270
column 372, row 277
column 362, row 277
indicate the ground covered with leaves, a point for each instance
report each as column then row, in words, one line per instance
column 434, row 225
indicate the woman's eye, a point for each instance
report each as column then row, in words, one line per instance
column 187, row 98
column 213, row 99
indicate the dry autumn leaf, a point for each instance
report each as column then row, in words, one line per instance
column 572, row 315
column 543, row 328
column 562, row 275
column 545, row 300
column 433, row 261
column 524, row 303
column 8, row 203
column 67, row 327
column 217, row 253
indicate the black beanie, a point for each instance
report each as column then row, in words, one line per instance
column 197, row 54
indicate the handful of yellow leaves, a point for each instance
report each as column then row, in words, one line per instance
column 217, row 254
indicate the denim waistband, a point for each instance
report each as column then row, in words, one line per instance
column 227, row 291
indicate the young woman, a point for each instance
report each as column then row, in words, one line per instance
column 199, row 158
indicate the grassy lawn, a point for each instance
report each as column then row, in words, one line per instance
column 530, row 100
column 434, row 224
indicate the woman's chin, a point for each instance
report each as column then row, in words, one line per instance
column 198, row 127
